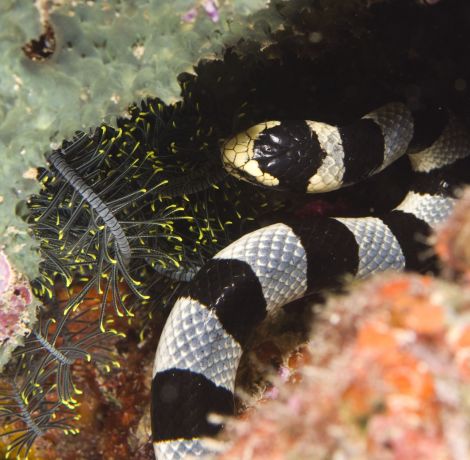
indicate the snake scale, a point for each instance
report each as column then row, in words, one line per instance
column 210, row 324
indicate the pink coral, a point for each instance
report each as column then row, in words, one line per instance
column 15, row 298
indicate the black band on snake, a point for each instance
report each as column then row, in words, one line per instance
column 208, row 328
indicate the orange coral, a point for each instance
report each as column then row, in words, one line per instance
column 386, row 368
column 453, row 238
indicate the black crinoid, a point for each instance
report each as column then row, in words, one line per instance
column 127, row 214
column 38, row 394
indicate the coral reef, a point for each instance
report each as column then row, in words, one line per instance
column 83, row 62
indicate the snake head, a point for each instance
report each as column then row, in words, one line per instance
column 274, row 154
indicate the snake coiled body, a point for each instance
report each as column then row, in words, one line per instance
column 209, row 326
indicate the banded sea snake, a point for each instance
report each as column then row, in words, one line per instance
column 208, row 328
